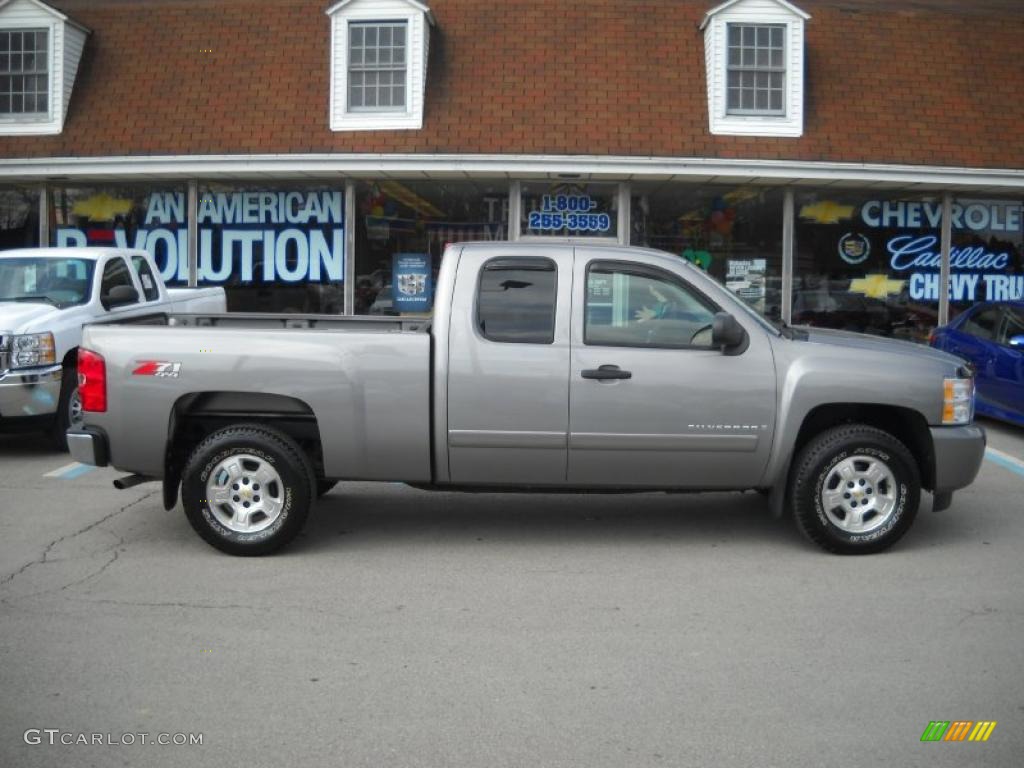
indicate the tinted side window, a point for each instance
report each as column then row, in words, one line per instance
column 516, row 300
column 983, row 324
column 149, row 289
column 627, row 306
column 115, row 273
column 1014, row 325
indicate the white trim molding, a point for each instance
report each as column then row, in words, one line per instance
column 417, row 19
column 585, row 167
column 65, row 42
column 716, row 59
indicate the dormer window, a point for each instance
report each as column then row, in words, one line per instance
column 40, row 49
column 24, row 73
column 754, row 51
column 378, row 64
column 756, row 70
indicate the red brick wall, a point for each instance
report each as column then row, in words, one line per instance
column 625, row 77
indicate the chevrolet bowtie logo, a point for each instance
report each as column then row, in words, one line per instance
column 876, row 286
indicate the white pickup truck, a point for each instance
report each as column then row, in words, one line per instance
column 46, row 296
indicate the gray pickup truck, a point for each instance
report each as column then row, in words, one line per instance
column 545, row 367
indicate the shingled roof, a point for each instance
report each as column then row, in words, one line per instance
column 931, row 83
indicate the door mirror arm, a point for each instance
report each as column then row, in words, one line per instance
column 728, row 335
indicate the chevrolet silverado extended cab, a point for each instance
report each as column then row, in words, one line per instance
column 544, row 367
column 46, row 296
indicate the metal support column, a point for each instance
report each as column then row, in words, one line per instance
column 44, row 216
column 788, row 223
column 193, row 233
column 350, row 248
column 947, row 244
column 625, row 212
column 515, row 203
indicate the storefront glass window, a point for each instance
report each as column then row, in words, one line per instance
column 151, row 218
column 19, row 218
column 402, row 228
column 734, row 233
column 569, row 209
column 987, row 254
column 870, row 263
column 274, row 249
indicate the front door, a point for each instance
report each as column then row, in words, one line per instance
column 651, row 403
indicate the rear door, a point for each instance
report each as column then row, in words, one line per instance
column 508, row 397
column 651, row 403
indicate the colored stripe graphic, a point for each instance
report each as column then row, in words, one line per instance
column 958, row 730
column 70, row 471
column 935, row 731
column 982, row 730
column 1005, row 460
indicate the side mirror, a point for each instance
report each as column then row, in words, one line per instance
column 728, row 335
column 1017, row 341
column 119, row 296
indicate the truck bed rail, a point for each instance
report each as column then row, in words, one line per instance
column 270, row 320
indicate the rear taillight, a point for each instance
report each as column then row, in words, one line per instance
column 92, row 381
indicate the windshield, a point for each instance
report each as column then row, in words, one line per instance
column 46, row 280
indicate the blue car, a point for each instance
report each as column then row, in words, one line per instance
column 991, row 336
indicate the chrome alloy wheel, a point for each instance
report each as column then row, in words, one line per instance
column 859, row 495
column 245, row 493
column 76, row 415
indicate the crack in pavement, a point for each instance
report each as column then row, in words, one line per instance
column 203, row 606
column 44, row 557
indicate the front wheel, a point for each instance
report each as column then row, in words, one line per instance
column 855, row 490
column 247, row 489
column 69, row 410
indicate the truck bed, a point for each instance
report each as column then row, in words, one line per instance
column 365, row 381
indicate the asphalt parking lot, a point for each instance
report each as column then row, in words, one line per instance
column 413, row 629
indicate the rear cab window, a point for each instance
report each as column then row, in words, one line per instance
column 516, row 300
column 146, row 278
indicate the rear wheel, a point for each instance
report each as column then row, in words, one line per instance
column 856, row 490
column 247, row 489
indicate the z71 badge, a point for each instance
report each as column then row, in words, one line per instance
column 157, row 368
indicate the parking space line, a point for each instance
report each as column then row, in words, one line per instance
column 70, row 471
column 1005, row 460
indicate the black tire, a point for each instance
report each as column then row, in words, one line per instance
column 324, row 486
column 814, row 468
column 62, row 419
column 267, row 445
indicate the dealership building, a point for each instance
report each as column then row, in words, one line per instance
column 855, row 164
